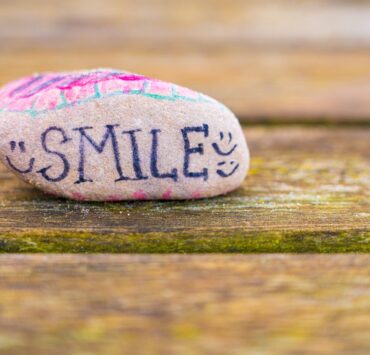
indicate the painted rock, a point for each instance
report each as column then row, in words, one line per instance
column 111, row 135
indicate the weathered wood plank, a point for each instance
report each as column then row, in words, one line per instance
column 308, row 190
column 169, row 24
column 268, row 61
column 270, row 304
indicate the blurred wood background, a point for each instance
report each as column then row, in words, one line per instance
column 274, row 60
column 185, row 304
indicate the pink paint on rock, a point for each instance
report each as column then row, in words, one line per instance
column 112, row 86
column 21, row 104
column 37, row 85
column 78, row 196
column 78, row 93
column 114, row 198
column 140, row 195
column 6, row 92
column 49, row 101
column 196, row 195
column 159, row 88
column 185, row 92
column 51, row 91
column 167, row 194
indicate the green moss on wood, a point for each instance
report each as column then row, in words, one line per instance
column 215, row 242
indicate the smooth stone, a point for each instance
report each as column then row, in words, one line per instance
column 110, row 135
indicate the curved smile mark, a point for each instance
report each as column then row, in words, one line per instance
column 224, row 153
column 22, row 149
column 217, row 148
column 222, row 173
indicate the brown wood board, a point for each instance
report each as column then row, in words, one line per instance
column 221, row 304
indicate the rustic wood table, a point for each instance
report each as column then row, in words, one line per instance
column 298, row 77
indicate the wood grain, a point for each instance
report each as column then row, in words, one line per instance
column 269, row 304
column 316, row 24
column 269, row 61
column 308, row 191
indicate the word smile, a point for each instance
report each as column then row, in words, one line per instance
column 87, row 147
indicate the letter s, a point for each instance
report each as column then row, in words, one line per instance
column 63, row 158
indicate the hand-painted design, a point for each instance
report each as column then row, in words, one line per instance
column 44, row 143
column 114, row 198
column 84, row 143
column 22, row 148
column 217, row 148
column 167, row 194
column 222, row 173
column 43, row 93
column 196, row 195
column 189, row 150
column 225, row 153
column 78, row 196
column 140, row 195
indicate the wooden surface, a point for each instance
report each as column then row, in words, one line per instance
column 274, row 61
column 268, row 60
column 308, row 190
column 268, row 304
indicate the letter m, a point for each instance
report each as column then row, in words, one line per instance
column 109, row 134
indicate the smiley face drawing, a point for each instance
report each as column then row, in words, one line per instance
column 226, row 168
column 22, row 149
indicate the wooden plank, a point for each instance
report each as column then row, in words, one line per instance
column 269, row 304
column 168, row 24
column 269, row 61
column 308, row 190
